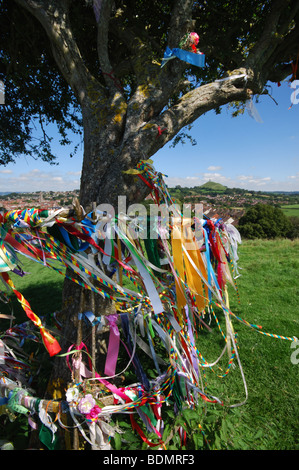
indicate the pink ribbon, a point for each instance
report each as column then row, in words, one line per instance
column 113, row 347
column 85, row 372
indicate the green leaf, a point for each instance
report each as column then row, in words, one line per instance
column 117, row 441
column 130, row 436
column 198, row 440
column 190, row 415
column 166, row 432
column 223, row 431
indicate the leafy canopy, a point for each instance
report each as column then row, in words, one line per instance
column 264, row 221
column 36, row 93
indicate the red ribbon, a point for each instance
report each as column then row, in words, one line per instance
column 294, row 70
column 160, row 131
column 73, row 231
column 137, row 428
column 151, row 186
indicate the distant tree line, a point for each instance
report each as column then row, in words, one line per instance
column 267, row 221
column 187, row 194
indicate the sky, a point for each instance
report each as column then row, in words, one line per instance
column 260, row 155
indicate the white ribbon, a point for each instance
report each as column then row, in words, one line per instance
column 47, row 420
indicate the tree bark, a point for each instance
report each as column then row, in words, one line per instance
column 102, row 182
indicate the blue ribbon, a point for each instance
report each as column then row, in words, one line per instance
column 90, row 317
column 88, row 229
column 191, row 57
column 5, row 400
column 82, row 245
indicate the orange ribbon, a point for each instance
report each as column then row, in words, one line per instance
column 51, row 344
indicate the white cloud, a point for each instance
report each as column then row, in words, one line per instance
column 37, row 180
column 254, row 180
column 249, row 182
column 190, row 181
column 214, row 168
column 243, row 177
column 57, row 178
column 217, row 178
column 173, row 181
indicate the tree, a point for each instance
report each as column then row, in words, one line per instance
column 264, row 221
column 294, row 230
column 100, row 74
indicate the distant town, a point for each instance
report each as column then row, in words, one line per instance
column 230, row 203
column 218, row 201
column 40, row 199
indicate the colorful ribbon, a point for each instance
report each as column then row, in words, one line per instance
column 50, row 342
column 113, row 346
column 197, row 59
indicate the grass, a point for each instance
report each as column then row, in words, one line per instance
column 291, row 210
column 41, row 287
column 268, row 294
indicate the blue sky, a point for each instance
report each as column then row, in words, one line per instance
column 237, row 152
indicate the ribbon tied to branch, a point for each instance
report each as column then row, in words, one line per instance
column 113, row 347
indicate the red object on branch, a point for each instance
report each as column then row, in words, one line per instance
column 160, row 131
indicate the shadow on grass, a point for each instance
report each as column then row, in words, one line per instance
column 44, row 299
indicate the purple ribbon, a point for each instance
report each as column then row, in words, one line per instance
column 194, row 358
column 113, row 347
column 97, row 9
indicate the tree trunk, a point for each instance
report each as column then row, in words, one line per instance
column 102, row 182
column 116, row 138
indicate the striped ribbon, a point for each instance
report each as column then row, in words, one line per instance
column 50, row 342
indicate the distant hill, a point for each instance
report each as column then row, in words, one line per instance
column 210, row 185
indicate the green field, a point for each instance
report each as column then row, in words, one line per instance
column 268, row 296
column 291, row 210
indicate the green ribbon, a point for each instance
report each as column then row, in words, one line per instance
column 13, row 402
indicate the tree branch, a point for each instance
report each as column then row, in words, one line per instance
column 156, row 133
column 102, row 46
column 55, row 20
column 181, row 21
column 274, row 33
column 201, row 100
column 280, row 62
column 155, row 85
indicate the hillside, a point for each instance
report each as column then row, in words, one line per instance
column 217, row 200
column 211, row 186
column 221, row 201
